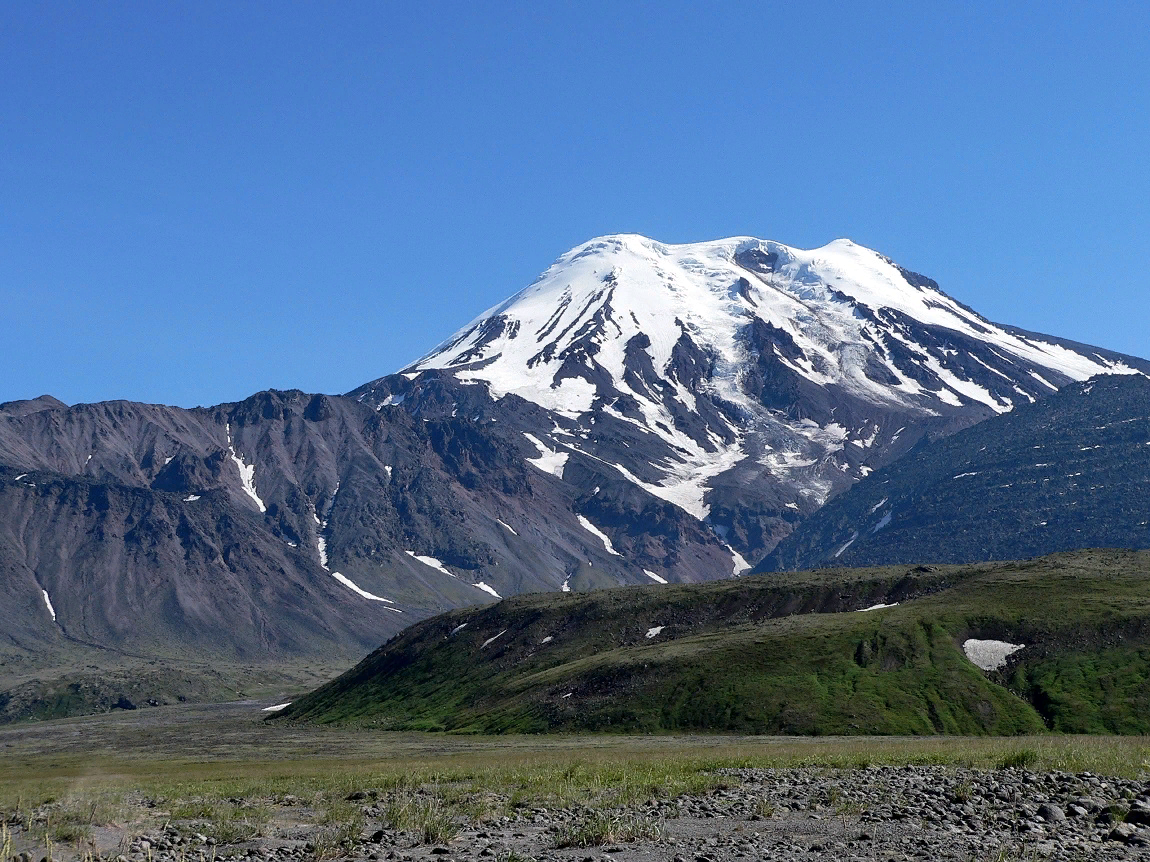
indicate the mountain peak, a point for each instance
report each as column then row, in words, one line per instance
column 844, row 309
column 700, row 371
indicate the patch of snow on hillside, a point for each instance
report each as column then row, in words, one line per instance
column 591, row 528
column 876, row 506
column 457, row 629
column 989, row 654
column 430, row 561
column 850, row 542
column 739, row 564
column 191, row 498
column 656, row 578
column 877, row 607
column 510, row 529
column 550, row 460
column 547, row 640
column 48, row 602
column 566, row 586
column 492, row 640
column 652, row 632
column 347, row 582
column 487, row 589
column 882, row 523
column 277, row 707
column 247, row 472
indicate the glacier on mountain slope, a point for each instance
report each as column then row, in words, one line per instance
column 657, row 285
column 644, row 358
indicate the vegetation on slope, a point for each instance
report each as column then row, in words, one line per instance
column 791, row 654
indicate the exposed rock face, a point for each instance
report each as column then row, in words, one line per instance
column 1071, row 471
column 285, row 525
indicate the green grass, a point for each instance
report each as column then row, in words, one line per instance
column 760, row 655
column 607, row 827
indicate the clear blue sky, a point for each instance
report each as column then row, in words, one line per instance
column 201, row 200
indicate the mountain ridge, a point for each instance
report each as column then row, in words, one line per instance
column 1070, row 471
column 692, row 405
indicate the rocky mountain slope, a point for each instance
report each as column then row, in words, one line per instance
column 1071, row 471
column 286, row 524
column 643, row 413
column 1062, row 642
column 743, row 381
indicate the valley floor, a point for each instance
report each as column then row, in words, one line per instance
column 215, row 782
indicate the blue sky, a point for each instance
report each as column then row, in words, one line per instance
column 202, row 200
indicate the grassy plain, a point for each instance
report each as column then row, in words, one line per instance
column 220, row 765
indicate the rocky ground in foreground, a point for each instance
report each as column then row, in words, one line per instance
column 876, row 813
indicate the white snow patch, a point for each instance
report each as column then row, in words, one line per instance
column 457, row 629
column 566, row 586
column 487, row 589
column 493, row 639
column 591, row 528
column 882, row 523
column 547, row 640
column 565, row 696
column 850, row 542
column 975, row 473
column 48, row 602
column 739, row 564
column 387, row 469
column 878, row 607
column 550, row 460
column 21, row 476
column 652, row 632
column 347, row 582
column 989, row 654
column 277, row 707
column 510, row 529
column 191, row 498
column 247, row 472
column 656, row 578
column 430, row 561
column 167, row 460
column 876, row 506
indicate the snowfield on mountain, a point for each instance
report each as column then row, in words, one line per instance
column 741, row 380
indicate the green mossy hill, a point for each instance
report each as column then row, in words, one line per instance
column 781, row 654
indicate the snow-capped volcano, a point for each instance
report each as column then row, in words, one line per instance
column 741, row 378
column 844, row 315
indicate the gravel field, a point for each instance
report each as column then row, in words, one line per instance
column 174, row 786
column 777, row 814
